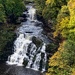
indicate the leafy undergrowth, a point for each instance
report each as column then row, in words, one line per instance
column 7, row 36
column 58, row 65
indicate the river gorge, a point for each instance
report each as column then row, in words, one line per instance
column 29, row 56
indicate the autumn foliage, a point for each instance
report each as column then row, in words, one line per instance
column 62, row 15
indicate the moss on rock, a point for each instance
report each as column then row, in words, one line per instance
column 36, row 41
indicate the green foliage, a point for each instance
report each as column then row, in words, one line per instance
column 65, row 20
column 59, row 71
column 69, row 53
column 50, row 48
column 40, row 4
column 50, row 12
column 62, row 22
column 56, row 3
column 64, row 12
column 7, row 36
column 11, row 8
column 15, row 7
column 51, row 9
column 2, row 14
column 65, row 27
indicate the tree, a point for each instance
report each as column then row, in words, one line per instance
column 2, row 14
column 12, row 8
column 63, row 19
column 52, row 9
column 69, row 52
column 40, row 4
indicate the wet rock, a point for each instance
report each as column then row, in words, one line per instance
column 37, row 41
column 24, row 15
column 20, row 19
column 42, row 55
column 25, row 62
column 41, row 64
column 28, row 1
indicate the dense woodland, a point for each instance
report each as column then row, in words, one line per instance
column 11, row 10
column 61, row 15
column 57, row 14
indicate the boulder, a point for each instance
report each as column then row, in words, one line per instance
column 37, row 41
column 25, row 62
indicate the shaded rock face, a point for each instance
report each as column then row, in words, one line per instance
column 25, row 62
column 22, row 18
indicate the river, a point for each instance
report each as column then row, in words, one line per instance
column 25, row 50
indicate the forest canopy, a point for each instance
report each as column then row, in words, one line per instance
column 11, row 9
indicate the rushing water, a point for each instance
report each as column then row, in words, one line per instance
column 25, row 49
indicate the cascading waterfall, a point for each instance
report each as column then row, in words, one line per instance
column 32, row 14
column 20, row 50
column 25, row 49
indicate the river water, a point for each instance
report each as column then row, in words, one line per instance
column 25, row 50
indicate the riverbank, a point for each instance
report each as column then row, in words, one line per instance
column 7, row 37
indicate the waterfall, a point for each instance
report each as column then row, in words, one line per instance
column 24, row 48
column 32, row 14
column 20, row 50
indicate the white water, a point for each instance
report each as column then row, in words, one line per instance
column 32, row 14
column 24, row 48
column 20, row 50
